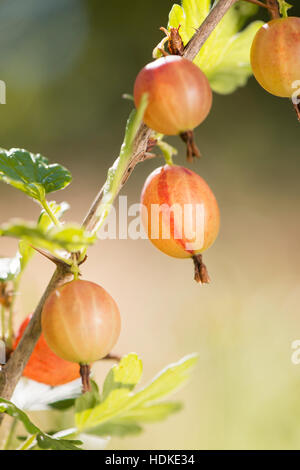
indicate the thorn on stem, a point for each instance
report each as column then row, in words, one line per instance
column 201, row 273
column 50, row 257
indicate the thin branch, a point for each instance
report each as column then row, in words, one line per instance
column 139, row 150
column 12, row 371
column 208, row 25
column 273, row 8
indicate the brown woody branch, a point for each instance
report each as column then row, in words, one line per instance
column 12, row 371
column 258, row 3
column 273, row 7
column 208, row 25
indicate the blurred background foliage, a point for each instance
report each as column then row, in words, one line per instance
column 66, row 64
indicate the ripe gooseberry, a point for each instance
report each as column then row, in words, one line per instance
column 81, row 322
column 275, row 56
column 179, row 211
column 179, row 95
column 44, row 365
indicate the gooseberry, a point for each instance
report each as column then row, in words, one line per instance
column 81, row 322
column 275, row 56
column 44, row 365
column 179, row 211
column 179, row 95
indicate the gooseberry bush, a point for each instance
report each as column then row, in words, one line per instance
column 206, row 48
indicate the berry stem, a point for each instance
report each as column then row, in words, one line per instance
column 273, row 7
column 201, row 273
column 191, row 146
column 85, row 370
column 74, row 268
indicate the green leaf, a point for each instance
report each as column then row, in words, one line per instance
column 9, row 268
column 67, row 237
column 151, row 413
column 120, row 402
column 119, row 427
column 126, row 374
column 168, row 380
column 129, row 423
column 225, row 56
column 88, row 400
column 62, row 405
column 47, row 442
column 44, row 440
column 31, row 173
column 26, row 251
column 13, row 411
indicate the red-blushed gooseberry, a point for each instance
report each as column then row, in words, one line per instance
column 44, row 365
column 179, row 95
column 81, row 322
column 179, row 212
column 275, row 56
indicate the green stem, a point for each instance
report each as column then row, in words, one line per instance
column 74, row 267
column 28, row 443
column 167, row 150
column 3, row 322
column 75, row 273
column 46, row 207
column 116, row 173
column 10, row 435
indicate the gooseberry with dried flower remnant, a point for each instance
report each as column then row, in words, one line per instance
column 179, row 212
column 179, row 95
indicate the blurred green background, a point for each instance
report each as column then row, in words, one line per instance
column 66, row 64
